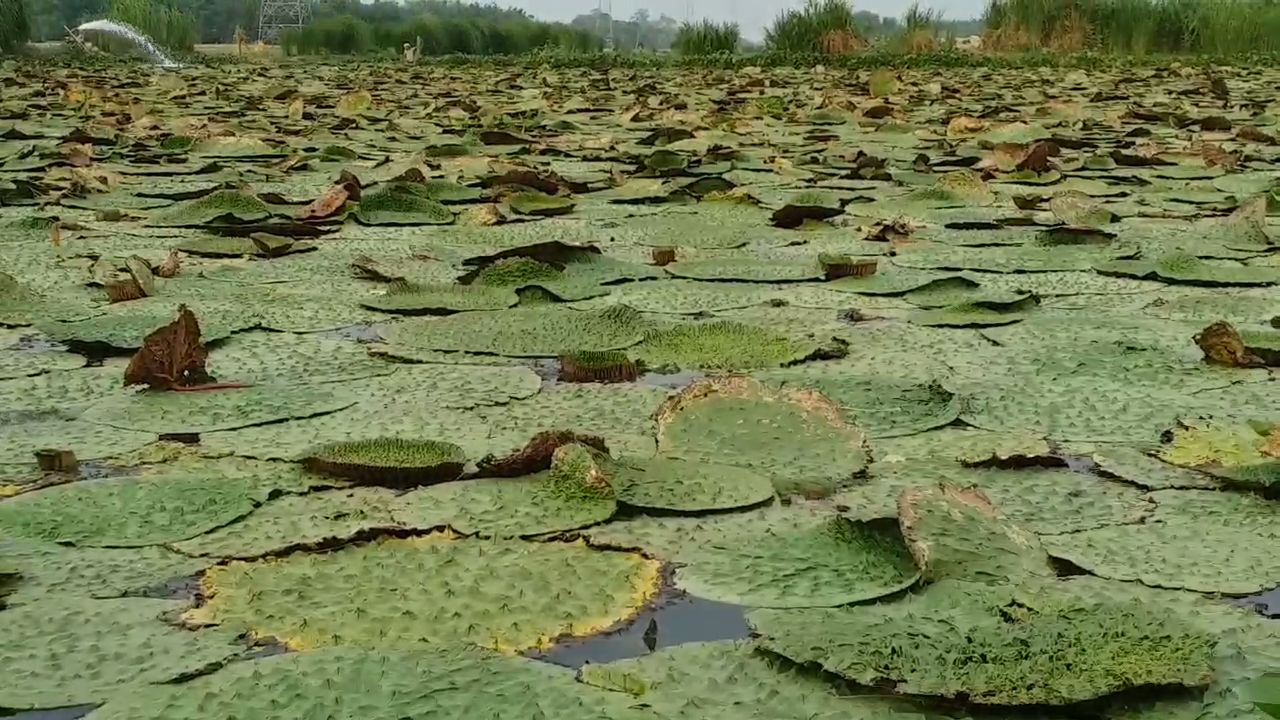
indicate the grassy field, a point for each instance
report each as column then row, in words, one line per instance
column 337, row 390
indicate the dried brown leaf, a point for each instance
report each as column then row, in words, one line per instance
column 170, row 267
column 1222, row 345
column 1037, row 157
column 366, row 268
column 171, row 357
column 1252, row 134
column 536, row 454
column 1215, row 156
column 965, row 125
column 1271, row 447
column 327, row 204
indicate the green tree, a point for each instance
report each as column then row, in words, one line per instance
column 15, row 27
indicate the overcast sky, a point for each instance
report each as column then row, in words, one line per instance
column 752, row 15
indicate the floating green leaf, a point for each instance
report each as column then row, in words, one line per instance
column 996, row 645
column 798, row 438
column 382, row 684
column 507, row 595
column 722, row 345
column 128, row 511
column 220, row 206
column 1181, row 544
column 523, row 332
column 400, row 203
column 680, row 485
column 75, row 651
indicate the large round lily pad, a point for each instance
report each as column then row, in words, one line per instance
column 296, row 521
column 773, row 556
column 996, row 645
column 401, row 204
column 171, row 412
column 798, row 438
column 508, row 595
column 728, row 681
column 386, row 684
column 1202, row 540
column 886, row 405
column 49, row 569
column 722, row 345
column 128, row 511
column 509, row 507
column 75, row 651
column 1099, row 392
column 523, row 332
column 684, row 486
column 276, row 358
column 833, row 563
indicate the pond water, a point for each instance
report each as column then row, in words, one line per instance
column 679, row 619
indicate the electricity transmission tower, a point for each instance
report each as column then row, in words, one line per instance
column 603, row 8
column 276, row 16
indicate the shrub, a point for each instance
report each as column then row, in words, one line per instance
column 707, row 38
column 827, row 27
column 919, row 33
column 447, row 34
column 167, row 26
column 1134, row 27
column 14, row 25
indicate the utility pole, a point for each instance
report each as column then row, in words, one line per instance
column 276, row 16
column 605, row 8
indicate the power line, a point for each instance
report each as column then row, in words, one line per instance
column 276, row 16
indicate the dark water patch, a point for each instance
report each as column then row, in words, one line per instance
column 358, row 333
column 93, row 470
column 66, row 713
column 677, row 619
column 1267, row 604
column 547, row 368
column 181, row 438
column 1079, row 463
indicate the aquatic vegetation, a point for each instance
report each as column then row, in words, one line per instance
column 956, row 387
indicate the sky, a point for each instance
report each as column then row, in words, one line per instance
column 751, row 15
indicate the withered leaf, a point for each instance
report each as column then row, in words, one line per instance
column 1271, row 447
column 171, row 357
column 1037, row 157
column 170, row 267
column 1215, row 156
column 328, row 204
column 1253, row 134
column 366, row 268
column 1222, row 345
column 271, row 245
column 965, row 125
column 123, row 290
column 536, row 454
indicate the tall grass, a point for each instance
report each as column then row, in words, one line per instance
column 441, row 35
column 821, row 27
column 919, row 30
column 166, row 25
column 1134, row 27
column 15, row 27
column 707, row 38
